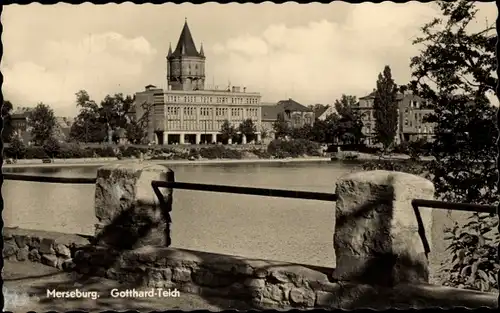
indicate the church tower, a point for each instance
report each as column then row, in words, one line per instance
column 185, row 65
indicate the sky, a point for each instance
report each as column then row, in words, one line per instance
column 312, row 53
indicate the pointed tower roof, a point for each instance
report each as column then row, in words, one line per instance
column 169, row 49
column 202, row 53
column 186, row 46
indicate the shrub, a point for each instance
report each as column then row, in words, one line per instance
column 128, row 152
column 16, row 150
column 36, row 153
column 407, row 166
column 473, row 248
column 262, row 154
column 293, row 148
column 52, row 147
column 219, row 152
column 74, row 150
column 106, row 152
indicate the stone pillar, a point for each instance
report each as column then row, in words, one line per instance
column 198, row 138
column 243, row 139
column 181, row 138
column 214, row 138
column 128, row 211
column 376, row 237
column 155, row 136
column 165, row 138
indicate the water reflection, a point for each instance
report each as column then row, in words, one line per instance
column 282, row 229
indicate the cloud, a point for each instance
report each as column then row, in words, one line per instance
column 321, row 60
column 97, row 63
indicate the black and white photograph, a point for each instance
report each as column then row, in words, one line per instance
column 250, row 156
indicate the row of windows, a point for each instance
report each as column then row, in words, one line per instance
column 191, row 111
column 207, row 99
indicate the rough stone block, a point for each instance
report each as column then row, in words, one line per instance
column 181, row 275
column 68, row 265
column 62, row 250
column 273, row 292
column 47, row 246
column 50, row 260
column 34, row 242
column 327, row 300
column 22, row 254
column 207, row 278
column 376, row 236
column 158, row 277
column 34, row 256
column 9, row 249
column 302, row 296
column 22, row 240
column 129, row 213
column 255, row 283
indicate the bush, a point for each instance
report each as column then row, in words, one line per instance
column 407, row 166
column 52, row 147
column 16, row 150
column 262, row 154
column 219, row 152
column 106, row 152
column 36, row 153
column 128, row 152
column 73, row 150
column 473, row 248
column 293, row 148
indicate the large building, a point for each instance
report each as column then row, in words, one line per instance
column 411, row 111
column 187, row 112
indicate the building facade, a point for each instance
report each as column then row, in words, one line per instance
column 187, row 112
column 411, row 113
column 292, row 112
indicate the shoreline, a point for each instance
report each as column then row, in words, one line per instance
column 84, row 162
column 167, row 162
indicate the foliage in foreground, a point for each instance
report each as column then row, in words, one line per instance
column 454, row 72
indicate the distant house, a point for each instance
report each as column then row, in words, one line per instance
column 269, row 116
column 296, row 114
column 411, row 112
column 321, row 112
column 20, row 118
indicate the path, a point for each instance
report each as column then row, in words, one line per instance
column 26, row 284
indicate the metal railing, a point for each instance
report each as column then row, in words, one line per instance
column 49, row 179
column 266, row 192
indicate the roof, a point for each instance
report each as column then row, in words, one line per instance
column 185, row 45
column 319, row 110
column 371, row 95
column 270, row 112
column 293, row 106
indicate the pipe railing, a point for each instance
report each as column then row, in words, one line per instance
column 266, row 192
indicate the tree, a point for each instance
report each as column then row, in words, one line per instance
column 137, row 129
column 87, row 126
column 52, row 147
column 386, row 109
column 248, row 129
column 454, row 72
column 42, row 122
column 281, row 127
column 346, row 125
column 227, row 131
column 7, row 129
column 17, row 147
